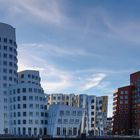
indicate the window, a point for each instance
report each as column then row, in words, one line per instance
column 92, row 101
column 18, row 106
column 58, row 131
column 42, row 114
column 67, row 112
column 71, row 121
column 37, row 106
column 37, row 113
column 59, row 121
column 30, row 98
column 69, row 131
column 121, row 97
column 18, row 90
column 65, row 121
column 30, row 121
column 5, row 40
column 5, row 63
column 92, row 119
column 92, row 113
column 126, row 101
column 18, row 114
column 18, row 121
column 24, row 106
column 30, row 89
column 24, row 90
column 126, row 92
column 10, row 41
column 18, row 98
column 61, row 112
column 64, row 131
column 5, row 55
column 24, row 121
column 46, row 122
column 121, row 102
column 92, row 107
column 36, row 121
column 42, row 121
column 74, row 113
column 41, row 107
column 36, row 98
column 24, row 98
column 5, row 48
column 30, row 113
column 126, row 97
column 74, row 131
column 79, row 113
column 30, row 105
column 77, row 121
column 22, row 75
column 24, row 114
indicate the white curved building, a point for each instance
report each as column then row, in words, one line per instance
column 8, row 71
column 28, row 108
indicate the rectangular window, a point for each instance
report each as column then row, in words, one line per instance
column 58, row 131
column 24, row 98
column 24, row 90
column 24, row 114
column 24, row 106
column 24, row 121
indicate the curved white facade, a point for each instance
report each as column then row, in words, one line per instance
column 8, row 71
column 28, row 105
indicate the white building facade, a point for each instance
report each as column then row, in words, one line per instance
column 8, row 71
column 28, row 109
column 59, row 98
column 95, row 114
column 64, row 121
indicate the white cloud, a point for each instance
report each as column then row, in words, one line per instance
column 55, row 50
column 93, row 81
column 47, row 11
column 53, row 78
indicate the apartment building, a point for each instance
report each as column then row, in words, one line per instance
column 28, row 109
column 64, row 121
column 94, row 110
column 8, row 71
column 126, row 106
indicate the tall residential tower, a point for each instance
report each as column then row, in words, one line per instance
column 8, row 71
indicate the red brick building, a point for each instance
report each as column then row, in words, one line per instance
column 126, row 107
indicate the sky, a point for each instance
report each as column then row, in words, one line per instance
column 79, row 46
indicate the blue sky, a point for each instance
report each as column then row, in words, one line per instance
column 79, row 46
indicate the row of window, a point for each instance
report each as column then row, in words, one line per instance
column 7, row 63
column 67, row 112
column 26, row 90
column 71, row 121
column 66, row 131
column 31, row 82
column 60, row 97
column 10, row 78
column 10, row 71
column 10, row 56
column 5, row 85
column 8, row 49
column 25, row 114
column 6, row 40
column 15, row 122
column 30, row 76
column 124, row 92
column 24, row 106
column 25, row 98
column 29, row 131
